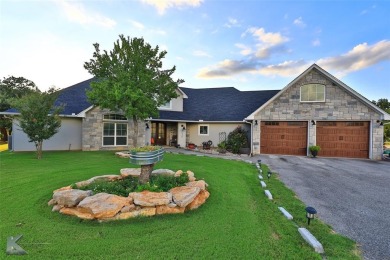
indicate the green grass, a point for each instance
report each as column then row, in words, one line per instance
column 236, row 222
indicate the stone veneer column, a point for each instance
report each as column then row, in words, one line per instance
column 92, row 131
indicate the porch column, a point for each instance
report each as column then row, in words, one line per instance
column 181, row 134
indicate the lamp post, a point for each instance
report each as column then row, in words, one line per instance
column 310, row 212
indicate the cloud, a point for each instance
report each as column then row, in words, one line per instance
column 232, row 22
column 269, row 38
column 162, row 5
column 316, row 43
column 137, row 25
column 285, row 69
column 267, row 43
column 199, row 53
column 299, row 22
column 227, row 68
column 360, row 57
column 245, row 50
column 76, row 12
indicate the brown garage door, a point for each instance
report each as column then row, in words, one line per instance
column 283, row 138
column 343, row 139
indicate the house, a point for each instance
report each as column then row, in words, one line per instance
column 315, row 108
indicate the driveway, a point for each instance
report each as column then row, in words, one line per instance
column 351, row 195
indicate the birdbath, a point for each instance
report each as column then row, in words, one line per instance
column 146, row 156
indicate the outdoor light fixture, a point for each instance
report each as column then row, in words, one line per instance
column 256, row 122
column 269, row 174
column 313, row 122
column 183, row 127
column 379, row 122
column 259, row 162
column 310, row 212
column 147, row 126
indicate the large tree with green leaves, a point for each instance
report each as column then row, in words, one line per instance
column 384, row 104
column 130, row 79
column 39, row 117
column 11, row 88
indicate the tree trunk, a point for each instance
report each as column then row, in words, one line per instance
column 38, row 146
column 146, row 170
column 135, row 136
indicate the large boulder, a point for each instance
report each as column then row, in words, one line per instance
column 133, row 172
column 184, row 195
column 165, row 172
column 200, row 184
column 164, row 209
column 144, row 212
column 199, row 200
column 108, row 177
column 76, row 212
column 104, row 205
column 150, row 199
column 70, row 198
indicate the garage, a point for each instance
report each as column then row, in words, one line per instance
column 343, row 139
column 283, row 137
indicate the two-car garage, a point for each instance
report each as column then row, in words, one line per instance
column 336, row 138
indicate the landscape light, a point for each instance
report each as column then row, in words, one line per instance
column 310, row 212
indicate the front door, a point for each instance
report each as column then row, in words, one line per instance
column 159, row 133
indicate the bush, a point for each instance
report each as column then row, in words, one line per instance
column 158, row 183
column 237, row 139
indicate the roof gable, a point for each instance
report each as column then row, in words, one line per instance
column 332, row 79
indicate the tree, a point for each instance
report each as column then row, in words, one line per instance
column 130, row 79
column 384, row 104
column 11, row 88
column 39, row 117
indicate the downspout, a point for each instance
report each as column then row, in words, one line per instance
column 251, row 124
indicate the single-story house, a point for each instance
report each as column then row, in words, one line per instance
column 315, row 108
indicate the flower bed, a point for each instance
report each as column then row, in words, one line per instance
column 73, row 200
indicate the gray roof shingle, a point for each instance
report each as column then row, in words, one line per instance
column 208, row 104
column 218, row 104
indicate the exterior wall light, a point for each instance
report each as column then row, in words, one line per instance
column 310, row 212
column 183, row 127
column 147, row 126
column 256, row 123
column 313, row 122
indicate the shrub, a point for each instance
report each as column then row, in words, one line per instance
column 123, row 187
column 314, row 148
column 237, row 139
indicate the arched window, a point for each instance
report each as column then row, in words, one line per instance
column 114, row 130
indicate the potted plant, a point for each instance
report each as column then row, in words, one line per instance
column 314, row 149
column 222, row 147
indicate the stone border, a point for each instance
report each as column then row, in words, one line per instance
column 106, row 207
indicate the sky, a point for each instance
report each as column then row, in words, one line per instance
column 246, row 44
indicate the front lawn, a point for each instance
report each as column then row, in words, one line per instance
column 236, row 222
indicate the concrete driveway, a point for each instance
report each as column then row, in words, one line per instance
column 351, row 195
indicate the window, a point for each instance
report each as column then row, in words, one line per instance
column 114, row 133
column 313, row 93
column 271, row 123
column 167, row 105
column 203, row 130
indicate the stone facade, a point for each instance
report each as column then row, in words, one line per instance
column 339, row 105
column 92, row 131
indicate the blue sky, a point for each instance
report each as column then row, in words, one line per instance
column 250, row 45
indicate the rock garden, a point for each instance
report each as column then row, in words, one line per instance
column 88, row 199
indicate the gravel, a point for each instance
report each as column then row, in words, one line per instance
column 351, row 195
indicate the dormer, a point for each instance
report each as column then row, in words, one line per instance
column 175, row 104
